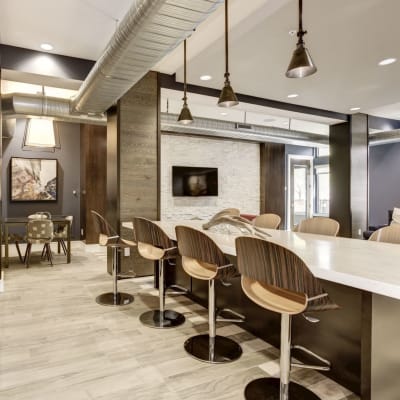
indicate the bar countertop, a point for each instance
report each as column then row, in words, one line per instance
column 361, row 264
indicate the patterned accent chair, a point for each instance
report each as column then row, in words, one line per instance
column 39, row 231
column 61, row 234
column 278, row 280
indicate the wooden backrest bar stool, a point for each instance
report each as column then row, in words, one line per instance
column 267, row 221
column 278, row 280
column 388, row 234
column 203, row 259
column 318, row 226
column 155, row 245
column 109, row 237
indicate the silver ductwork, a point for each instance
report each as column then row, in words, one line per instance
column 378, row 138
column 225, row 129
column 148, row 32
column 18, row 105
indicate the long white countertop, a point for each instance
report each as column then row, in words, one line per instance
column 370, row 266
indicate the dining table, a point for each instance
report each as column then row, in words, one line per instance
column 9, row 222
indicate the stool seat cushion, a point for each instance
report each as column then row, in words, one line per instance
column 273, row 298
column 199, row 269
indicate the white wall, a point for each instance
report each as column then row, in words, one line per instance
column 238, row 166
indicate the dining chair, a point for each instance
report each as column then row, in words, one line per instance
column 267, row 221
column 39, row 231
column 61, row 234
column 388, row 234
column 318, row 226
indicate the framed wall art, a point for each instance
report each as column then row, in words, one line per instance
column 33, row 179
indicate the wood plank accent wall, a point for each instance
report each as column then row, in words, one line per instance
column 273, row 179
column 93, row 177
column 133, row 157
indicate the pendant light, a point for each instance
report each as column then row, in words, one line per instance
column 227, row 97
column 185, row 117
column 301, row 64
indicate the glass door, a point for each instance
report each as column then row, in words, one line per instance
column 300, row 190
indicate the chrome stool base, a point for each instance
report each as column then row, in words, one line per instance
column 268, row 389
column 108, row 299
column 217, row 350
column 162, row 320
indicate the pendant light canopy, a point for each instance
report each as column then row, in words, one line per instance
column 185, row 117
column 301, row 64
column 227, row 97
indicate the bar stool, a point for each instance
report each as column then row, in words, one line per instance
column 108, row 237
column 154, row 244
column 202, row 259
column 278, row 280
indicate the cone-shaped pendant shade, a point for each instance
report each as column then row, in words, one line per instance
column 227, row 97
column 301, row 64
column 185, row 117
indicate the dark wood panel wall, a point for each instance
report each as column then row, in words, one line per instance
column 339, row 173
column 349, row 175
column 133, row 159
column 273, row 179
column 93, row 177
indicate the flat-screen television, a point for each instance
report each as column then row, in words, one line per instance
column 194, row 181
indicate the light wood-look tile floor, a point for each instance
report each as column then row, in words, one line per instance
column 57, row 343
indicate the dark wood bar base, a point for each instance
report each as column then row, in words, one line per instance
column 342, row 336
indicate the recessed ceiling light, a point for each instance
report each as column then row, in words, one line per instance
column 387, row 61
column 355, row 108
column 292, row 96
column 205, row 77
column 224, row 113
column 46, row 46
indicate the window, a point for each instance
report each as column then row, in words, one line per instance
column 322, row 151
column 322, row 189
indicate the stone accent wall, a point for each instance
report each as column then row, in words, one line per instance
column 238, row 166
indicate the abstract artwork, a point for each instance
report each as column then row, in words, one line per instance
column 33, row 179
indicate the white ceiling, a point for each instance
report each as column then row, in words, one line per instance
column 346, row 40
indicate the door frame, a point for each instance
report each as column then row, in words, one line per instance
column 290, row 159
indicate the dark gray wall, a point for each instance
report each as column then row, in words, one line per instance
column 384, row 181
column 68, row 174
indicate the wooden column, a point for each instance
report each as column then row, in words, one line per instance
column 93, row 177
column 133, row 158
column 348, row 165
column 273, row 179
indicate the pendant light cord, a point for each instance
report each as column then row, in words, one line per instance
column 184, row 72
column 226, row 42
column 300, row 32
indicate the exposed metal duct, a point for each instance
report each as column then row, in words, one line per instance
column 18, row 105
column 226, row 129
column 378, row 138
column 149, row 31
